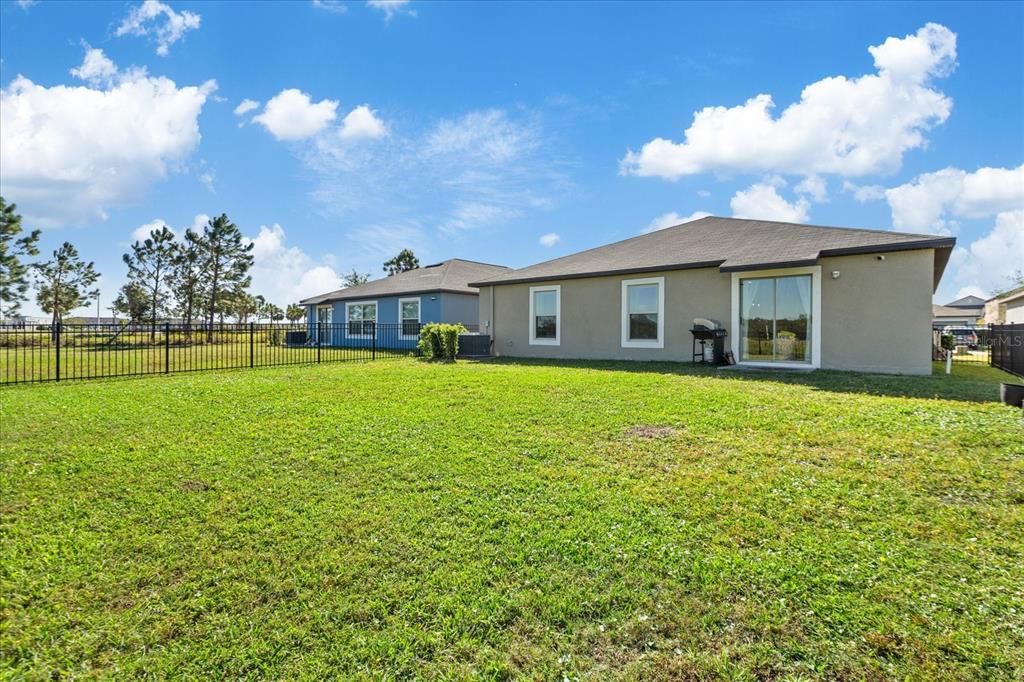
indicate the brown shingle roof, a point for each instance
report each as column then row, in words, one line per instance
column 730, row 244
column 946, row 311
column 450, row 276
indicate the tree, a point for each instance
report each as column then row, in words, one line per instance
column 294, row 313
column 274, row 312
column 151, row 265
column 354, row 279
column 64, row 283
column 403, row 262
column 242, row 305
column 225, row 258
column 187, row 281
column 14, row 274
column 133, row 302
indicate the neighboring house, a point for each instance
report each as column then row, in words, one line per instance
column 25, row 321
column 968, row 310
column 944, row 316
column 789, row 296
column 434, row 293
column 1006, row 308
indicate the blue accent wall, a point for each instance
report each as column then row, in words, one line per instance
column 438, row 307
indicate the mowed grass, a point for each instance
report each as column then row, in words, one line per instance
column 506, row 520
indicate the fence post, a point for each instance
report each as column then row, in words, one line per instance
column 252, row 333
column 59, row 324
column 167, row 347
column 317, row 331
column 373, row 348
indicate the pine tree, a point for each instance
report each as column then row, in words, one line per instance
column 150, row 265
column 14, row 274
column 187, row 280
column 64, row 283
column 225, row 258
column 405, row 260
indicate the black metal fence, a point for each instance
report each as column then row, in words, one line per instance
column 1008, row 348
column 66, row 352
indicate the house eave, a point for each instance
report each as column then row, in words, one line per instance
column 318, row 300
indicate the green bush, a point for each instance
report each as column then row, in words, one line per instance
column 275, row 336
column 440, row 341
column 948, row 342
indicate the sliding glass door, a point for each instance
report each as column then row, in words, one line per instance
column 775, row 319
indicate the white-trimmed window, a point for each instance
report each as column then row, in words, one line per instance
column 409, row 316
column 643, row 313
column 776, row 317
column 362, row 318
column 545, row 315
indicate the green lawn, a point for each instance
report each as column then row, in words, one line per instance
column 501, row 519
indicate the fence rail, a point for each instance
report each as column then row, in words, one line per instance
column 971, row 343
column 1008, row 348
column 70, row 352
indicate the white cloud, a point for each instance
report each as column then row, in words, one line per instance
column 285, row 274
column 488, row 136
column 815, row 187
column 845, row 126
column 478, row 170
column 292, row 115
column 672, row 219
column 864, row 193
column 472, row 215
column 549, row 239
column 390, row 8
column 141, row 233
column 156, row 19
column 25, row 4
column 71, row 152
column 209, row 181
column 703, row 193
column 988, row 262
column 970, row 291
column 931, row 201
column 762, row 201
column 96, row 69
column 361, row 122
column 245, row 106
column 334, row 6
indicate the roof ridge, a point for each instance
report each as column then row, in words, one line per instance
column 874, row 230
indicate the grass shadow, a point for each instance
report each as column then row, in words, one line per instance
column 968, row 383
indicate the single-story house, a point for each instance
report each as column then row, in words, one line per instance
column 390, row 310
column 944, row 316
column 1006, row 308
column 788, row 296
column 965, row 311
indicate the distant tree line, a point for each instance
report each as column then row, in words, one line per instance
column 202, row 278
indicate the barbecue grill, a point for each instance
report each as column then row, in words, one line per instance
column 707, row 332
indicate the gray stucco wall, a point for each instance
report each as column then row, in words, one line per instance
column 875, row 317
column 460, row 308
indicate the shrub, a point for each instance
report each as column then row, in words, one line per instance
column 275, row 336
column 948, row 342
column 440, row 341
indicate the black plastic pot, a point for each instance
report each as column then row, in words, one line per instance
column 1011, row 394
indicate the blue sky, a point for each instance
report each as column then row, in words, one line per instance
column 509, row 132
